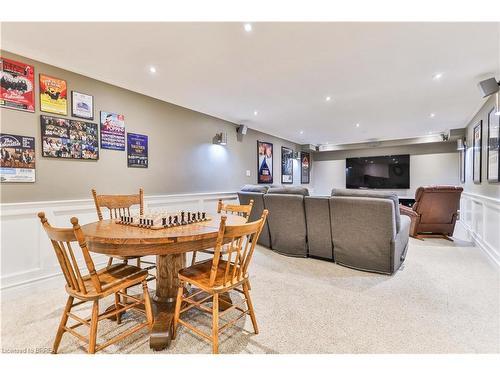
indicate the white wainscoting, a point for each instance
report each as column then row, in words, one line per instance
column 480, row 216
column 26, row 253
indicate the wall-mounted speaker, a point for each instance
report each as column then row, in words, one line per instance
column 488, row 87
column 242, row 129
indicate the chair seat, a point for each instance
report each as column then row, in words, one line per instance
column 114, row 278
column 199, row 275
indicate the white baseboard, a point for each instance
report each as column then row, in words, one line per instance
column 480, row 217
column 27, row 257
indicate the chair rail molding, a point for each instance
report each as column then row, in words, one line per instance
column 480, row 216
column 26, row 253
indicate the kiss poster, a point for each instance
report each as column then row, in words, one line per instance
column 264, row 162
column 17, row 162
column 112, row 131
column 53, row 95
column 137, row 150
column 17, row 85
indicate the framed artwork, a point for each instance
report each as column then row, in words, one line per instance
column 286, row 165
column 53, row 95
column 476, row 152
column 69, row 139
column 17, row 89
column 82, row 105
column 17, row 162
column 305, row 167
column 112, row 131
column 462, row 164
column 137, row 150
column 264, row 162
column 493, row 169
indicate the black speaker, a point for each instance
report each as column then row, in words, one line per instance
column 488, row 87
column 242, row 129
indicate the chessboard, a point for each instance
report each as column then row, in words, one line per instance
column 163, row 220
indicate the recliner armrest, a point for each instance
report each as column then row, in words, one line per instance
column 404, row 210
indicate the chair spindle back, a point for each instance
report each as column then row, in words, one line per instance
column 61, row 239
column 237, row 243
column 235, row 209
column 118, row 205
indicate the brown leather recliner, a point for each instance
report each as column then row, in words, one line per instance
column 435, row 211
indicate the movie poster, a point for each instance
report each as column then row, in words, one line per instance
column 112, row 131
column 18, row 158
column 69, row 139
column 476, row 152
column 493, row 147
column 137, row 150
column 17, row 85
column 264, row 162
column 53, row 95
column 286, row 165
column 305, row 167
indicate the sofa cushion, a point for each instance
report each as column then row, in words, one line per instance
column 289, row 190
column 255, row 188
column 372, row 194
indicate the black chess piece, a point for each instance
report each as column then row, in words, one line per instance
column 204, row 216
column 198, row 215
column 183, row 222
column 189, row 217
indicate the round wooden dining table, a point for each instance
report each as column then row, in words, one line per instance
column 170, row 246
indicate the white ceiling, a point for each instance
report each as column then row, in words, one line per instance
column 379, row 75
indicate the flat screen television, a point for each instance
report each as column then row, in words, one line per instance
column 378, row 172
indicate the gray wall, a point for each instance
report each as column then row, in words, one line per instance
column 182, row 158
column 432, row 163
column 485, row 188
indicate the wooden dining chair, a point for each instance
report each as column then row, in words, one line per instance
column 234, row 209
column 94, row 286
column 119, row 205
column 218, row 275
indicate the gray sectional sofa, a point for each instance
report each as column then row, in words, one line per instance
column 357, row 229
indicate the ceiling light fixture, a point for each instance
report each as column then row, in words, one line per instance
column 255, row 113
column 437, row 76
column 357, row 125
column 220, row 139
column 248, row 27
column 152, row 69
column 328, row 98
column 301, row 132
column 432, row 115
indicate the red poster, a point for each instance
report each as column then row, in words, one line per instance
column 17, row 85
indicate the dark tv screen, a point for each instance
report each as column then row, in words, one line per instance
column 378, row 172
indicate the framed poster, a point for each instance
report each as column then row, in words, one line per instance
column 112, row 131
column 264, row 162
column 17, row 89
column 305, row 167
column 462, row 164
column 286, row 165
column 69, row 139
column 476, row 152
column 137, row 150
column 493, row 169
column 82, row 105
column 18, row 158
column 53, row 95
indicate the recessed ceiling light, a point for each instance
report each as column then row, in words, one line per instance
column 357, row 125
column 437, row 76
column 152, row 69
column 432, row 115
column 328, row 98
column 301, row 132
column 255, row 113
column 248, row 27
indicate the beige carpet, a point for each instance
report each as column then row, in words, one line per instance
column 444, row 300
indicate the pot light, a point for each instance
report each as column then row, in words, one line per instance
column 357, row 125
column 152, row 69
column 437, row 76
column 328, row 98
column 301, row 132
column 432, row 115
column 248, row 27
column 255, row 113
